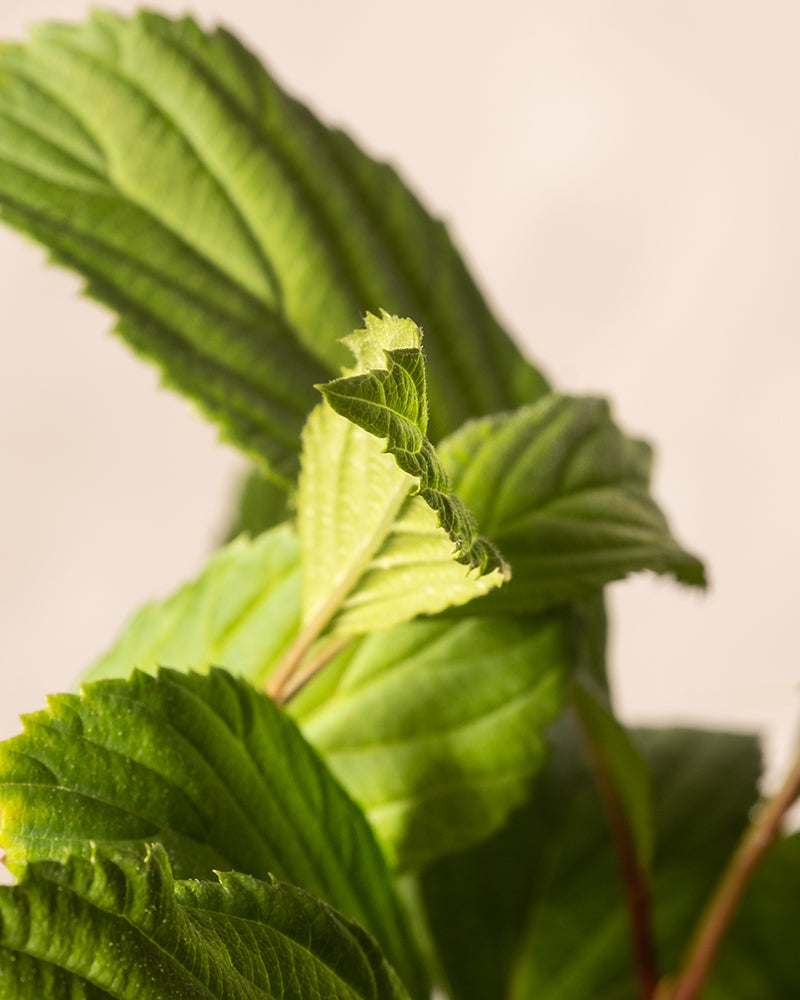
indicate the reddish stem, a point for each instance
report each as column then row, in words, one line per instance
column 724, row 902
column 634, row 879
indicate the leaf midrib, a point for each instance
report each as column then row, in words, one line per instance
column 317, row 619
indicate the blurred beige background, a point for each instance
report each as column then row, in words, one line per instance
column 623, row 177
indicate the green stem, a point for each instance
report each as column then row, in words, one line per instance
column 293, row 657
column 723, row 904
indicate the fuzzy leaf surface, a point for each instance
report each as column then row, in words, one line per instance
column 436, row 727
column 391, row 403
column 564, row 494
column 553, row 923
column 211, row 769
column 234, row 235
column 242, row 613
column 382, row 538
column 115, row 924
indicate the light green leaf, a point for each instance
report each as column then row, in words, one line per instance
column 242, row 612
column 235, row 236
column 436, row 727
column 379, row 547
column 212, row 770
column 373, row 555
column 392, row 404
column 117, row 925
column 565, row 496
column 621, row 770
column 553, row 923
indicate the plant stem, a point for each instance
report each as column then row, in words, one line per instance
column 310, row 667
column 291, row 661
column 634, row 879
column 722, row 906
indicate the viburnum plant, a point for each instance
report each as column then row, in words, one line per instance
column 371, row 751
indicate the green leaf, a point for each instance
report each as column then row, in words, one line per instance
column 212, row 770
column 234, row 235
column 565, row 496
column 378, row 547
column 436, row 727
column 373, row 555
column 242, row 612
column 538, row 910
column 117, row 925
column 391, row 403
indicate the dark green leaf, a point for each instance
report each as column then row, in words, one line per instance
column 759, row 954
column 565, row 497
column 114, row 924
column 212, row 770
column 538, row 910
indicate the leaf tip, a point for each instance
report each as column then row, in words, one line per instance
column 380, row 334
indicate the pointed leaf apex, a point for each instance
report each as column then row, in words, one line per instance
column 379, row 335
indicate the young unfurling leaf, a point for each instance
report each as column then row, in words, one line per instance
column 382, row 538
